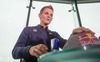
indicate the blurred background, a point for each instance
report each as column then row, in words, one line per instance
column 13, row 16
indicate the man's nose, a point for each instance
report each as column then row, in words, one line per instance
column 49, row 16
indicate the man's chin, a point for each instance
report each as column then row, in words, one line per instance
column 47, row 23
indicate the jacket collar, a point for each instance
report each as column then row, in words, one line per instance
column 42, row 27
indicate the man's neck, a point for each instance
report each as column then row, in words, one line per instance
column 44, row 26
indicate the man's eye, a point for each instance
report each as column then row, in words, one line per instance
column 46, row 13
column 51, row 15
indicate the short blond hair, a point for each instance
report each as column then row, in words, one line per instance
column 49, row 6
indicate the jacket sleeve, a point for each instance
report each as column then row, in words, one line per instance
column 20, row 49
column 62, row 41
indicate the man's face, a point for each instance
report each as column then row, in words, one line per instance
column 46, row 16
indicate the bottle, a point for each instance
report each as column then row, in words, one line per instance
column 54, row 44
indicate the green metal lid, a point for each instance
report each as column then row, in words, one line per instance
column 92, row 54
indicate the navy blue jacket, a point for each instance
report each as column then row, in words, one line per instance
column 31, row 36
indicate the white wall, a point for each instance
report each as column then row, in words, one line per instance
column 12, row 20
column 90, row 16
column 13, row 15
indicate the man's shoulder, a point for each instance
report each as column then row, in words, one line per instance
column 30, row 27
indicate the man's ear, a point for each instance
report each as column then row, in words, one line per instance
column 39, row 15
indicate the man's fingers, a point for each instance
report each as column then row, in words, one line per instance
column 90, row 31
column 77, row 30
column 37, row 52
column 82, row 29
column 42, row 48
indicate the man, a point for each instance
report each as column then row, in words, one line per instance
column 35, row 41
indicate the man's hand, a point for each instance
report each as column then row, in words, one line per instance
column 82, row 29
column 38, row 50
